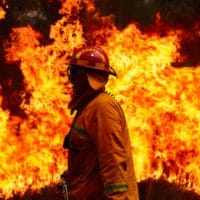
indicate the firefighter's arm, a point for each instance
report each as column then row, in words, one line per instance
column 108, row 135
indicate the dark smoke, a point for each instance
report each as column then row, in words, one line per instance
column 173, row 12
column 39, row 14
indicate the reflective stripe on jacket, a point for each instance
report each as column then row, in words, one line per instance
column 100, row 165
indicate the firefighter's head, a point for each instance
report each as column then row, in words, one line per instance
column 89, row 64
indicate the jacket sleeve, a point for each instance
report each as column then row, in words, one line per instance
column 106, row 127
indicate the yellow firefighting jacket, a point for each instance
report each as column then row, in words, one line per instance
column 100, row 165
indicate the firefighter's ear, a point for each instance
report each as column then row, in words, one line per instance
column 97, row 80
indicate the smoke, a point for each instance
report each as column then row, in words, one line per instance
column 39, row 14
column 173, row 12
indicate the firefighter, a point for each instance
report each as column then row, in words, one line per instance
column 100, row 165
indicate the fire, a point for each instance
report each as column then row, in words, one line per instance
column 2, row 13
column 161, row 102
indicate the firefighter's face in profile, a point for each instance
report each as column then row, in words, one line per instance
column 78, row 77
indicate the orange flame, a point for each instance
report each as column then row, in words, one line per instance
column 2, row 13
column 161, row 104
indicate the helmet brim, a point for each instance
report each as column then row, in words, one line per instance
column 108, row 70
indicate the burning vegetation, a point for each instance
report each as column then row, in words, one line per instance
column 153, row 46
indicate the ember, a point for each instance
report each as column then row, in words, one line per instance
column 161, row 102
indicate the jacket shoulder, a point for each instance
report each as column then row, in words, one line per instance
column 104, row 99
column 105, row 102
